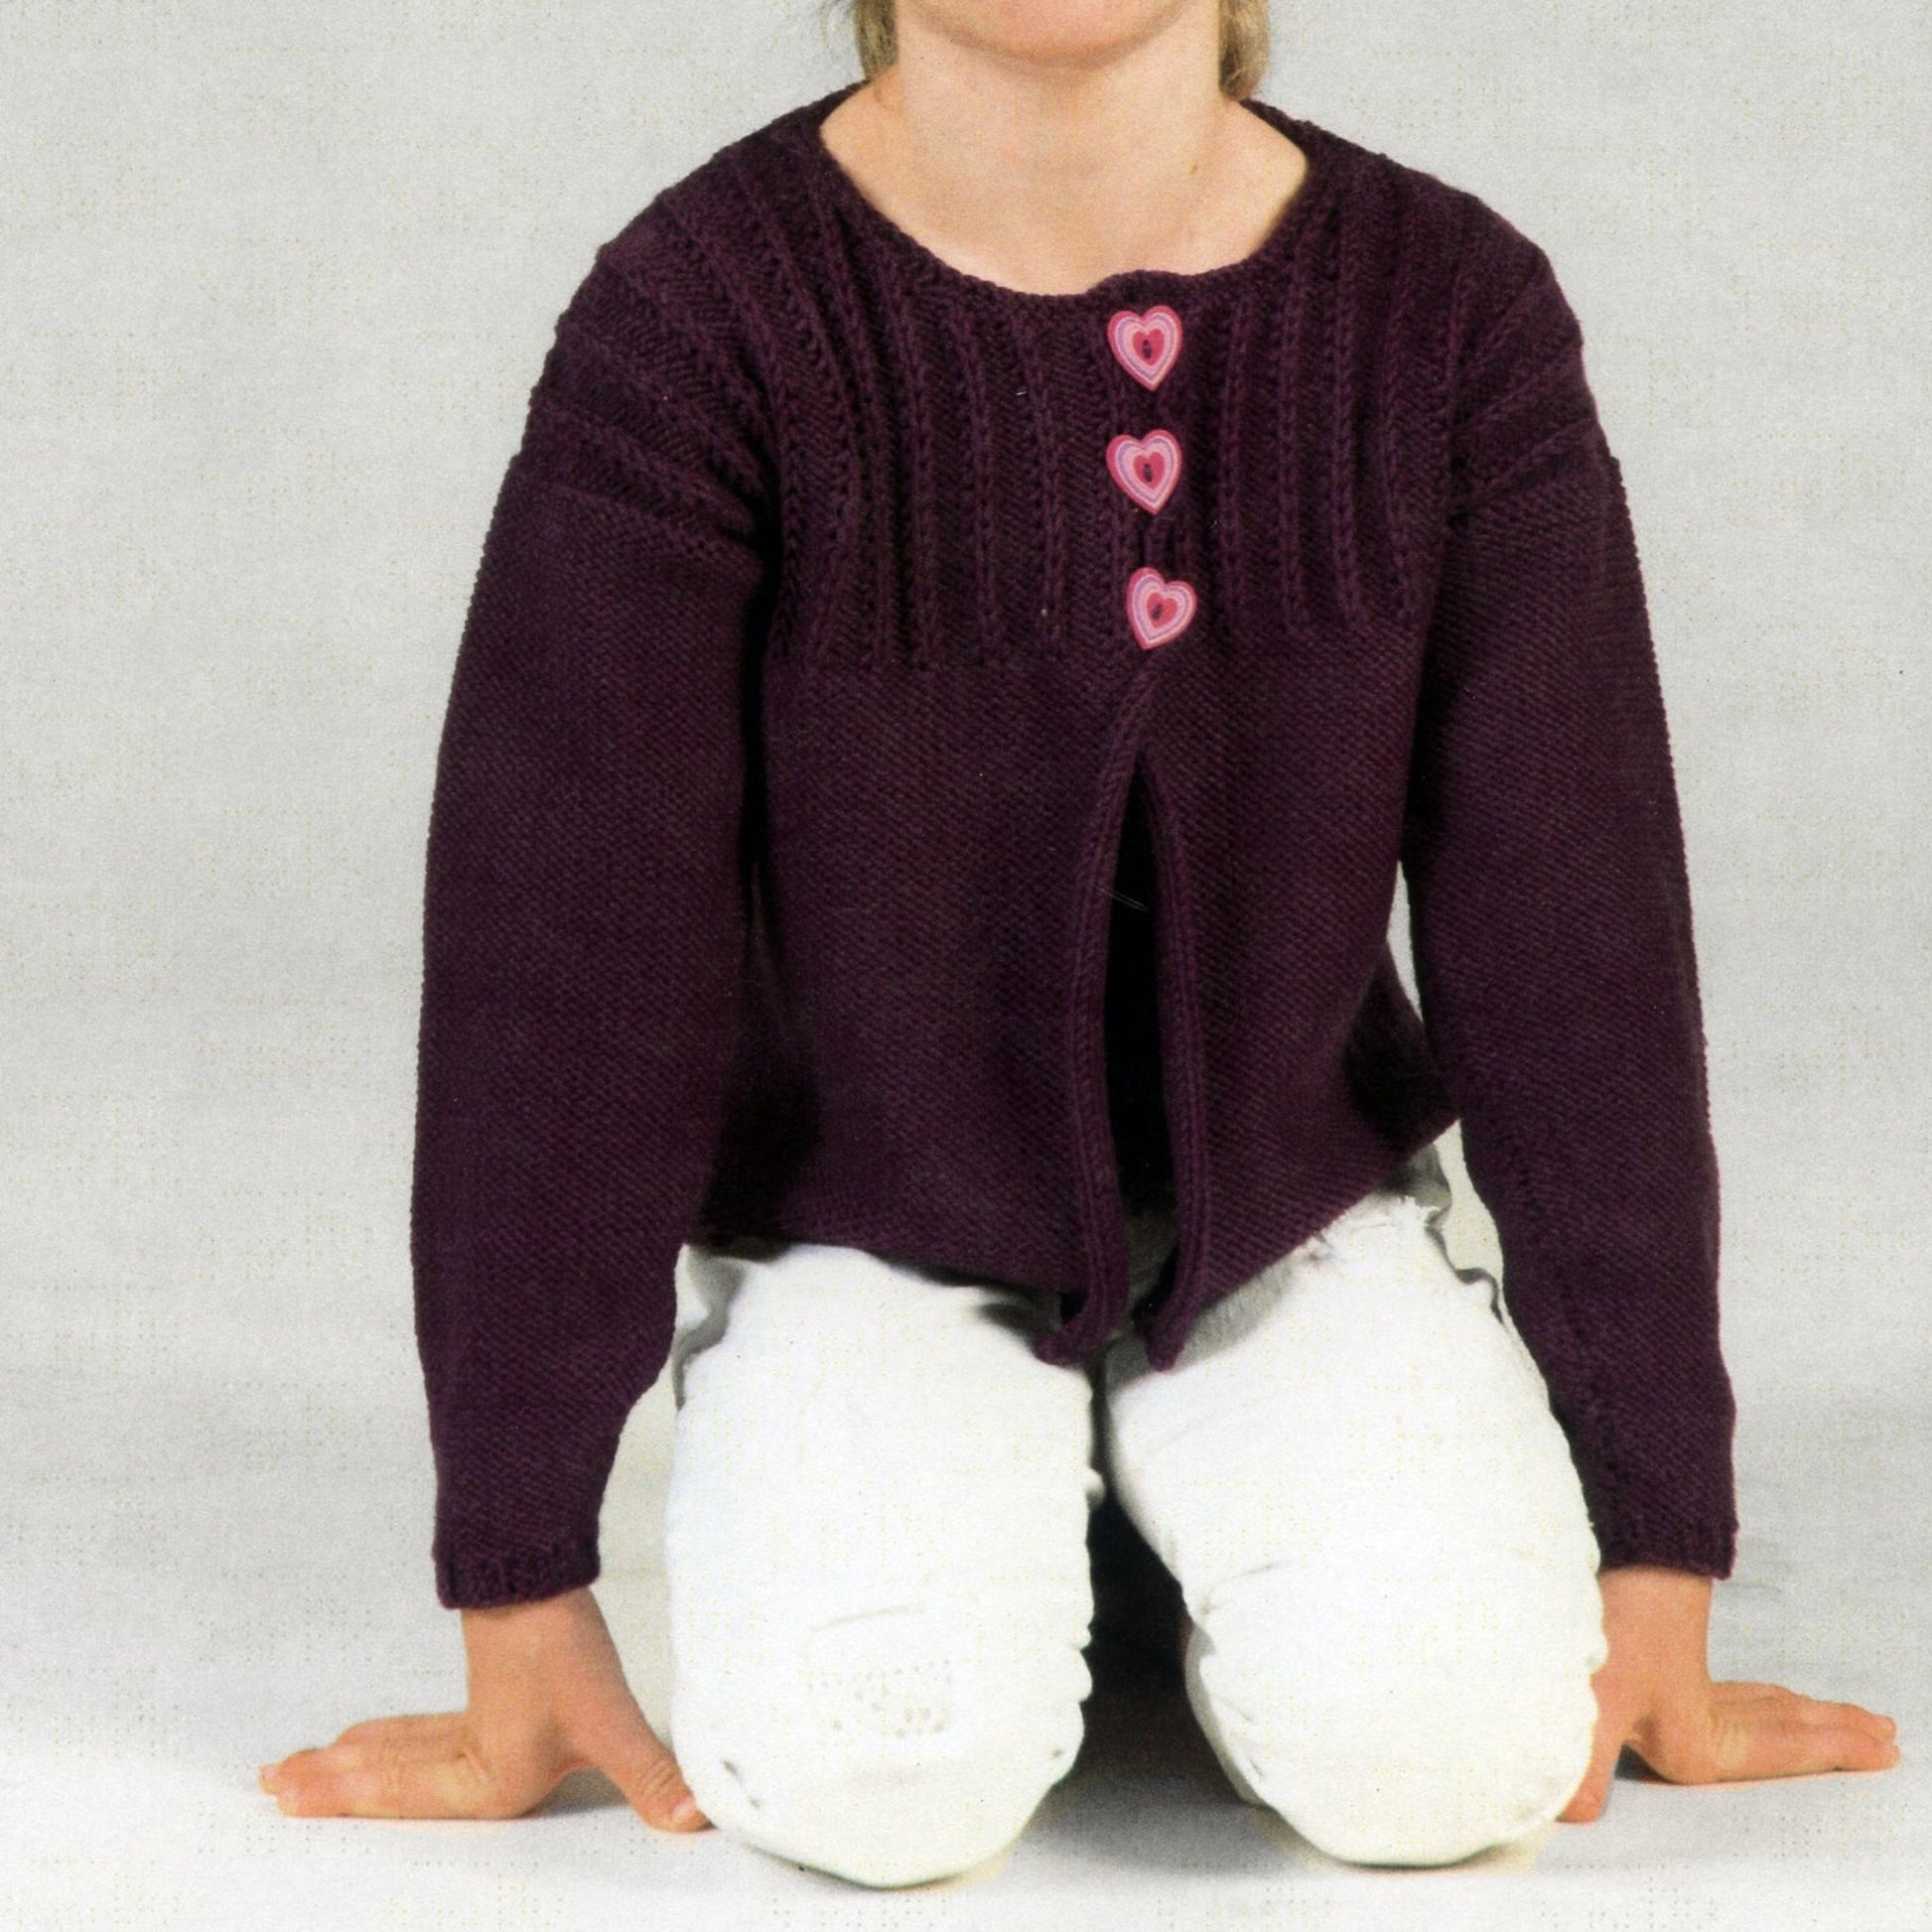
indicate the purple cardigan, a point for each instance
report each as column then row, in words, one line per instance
column 838, row 610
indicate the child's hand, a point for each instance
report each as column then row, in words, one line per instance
column 1655, row 1694
column 547, row 1696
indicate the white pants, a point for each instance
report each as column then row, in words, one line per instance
column 875, row 1543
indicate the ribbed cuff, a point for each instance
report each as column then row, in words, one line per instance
column 1628, row 1533
column 472, row 1579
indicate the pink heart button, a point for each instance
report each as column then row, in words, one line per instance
column 1145, row 344
column 1146, row 467
column 1159, row 608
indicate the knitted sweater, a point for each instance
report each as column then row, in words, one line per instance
column 838, row 609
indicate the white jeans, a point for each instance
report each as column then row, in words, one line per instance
column 875, row 1543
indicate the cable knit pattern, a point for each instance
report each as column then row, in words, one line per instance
column 794, row 729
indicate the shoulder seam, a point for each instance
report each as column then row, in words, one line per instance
column 750, row 397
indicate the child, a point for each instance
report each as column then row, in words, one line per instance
column 1006, row 564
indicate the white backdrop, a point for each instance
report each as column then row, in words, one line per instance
column 278, row 280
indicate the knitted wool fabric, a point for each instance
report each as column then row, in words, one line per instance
column 833, row 609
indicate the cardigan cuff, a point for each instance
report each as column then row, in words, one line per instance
column 468, row 1580
column 1629, row 1531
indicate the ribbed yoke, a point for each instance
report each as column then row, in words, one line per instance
column 839, row 615
column 941, row 427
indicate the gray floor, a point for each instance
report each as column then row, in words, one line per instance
column 218, row 1512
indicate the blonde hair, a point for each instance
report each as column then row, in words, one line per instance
column 1244, row 40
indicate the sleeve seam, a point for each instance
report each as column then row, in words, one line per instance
column 1502, row 486
column 701, row 544
column 624, row 445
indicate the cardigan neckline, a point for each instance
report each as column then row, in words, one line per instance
column 1323, row 157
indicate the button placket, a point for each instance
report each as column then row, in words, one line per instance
column 1146, row 343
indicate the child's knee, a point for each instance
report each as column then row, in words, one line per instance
column 882, row 1825
column 1429, row 1798
column 1422, row 1753
column 894, row 1758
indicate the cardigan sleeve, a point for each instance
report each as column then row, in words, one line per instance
column 1551, row 927
column 583, row 920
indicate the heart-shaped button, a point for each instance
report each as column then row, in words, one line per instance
column 1159, row 608
column 1145, row 342
column 1146, row 467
